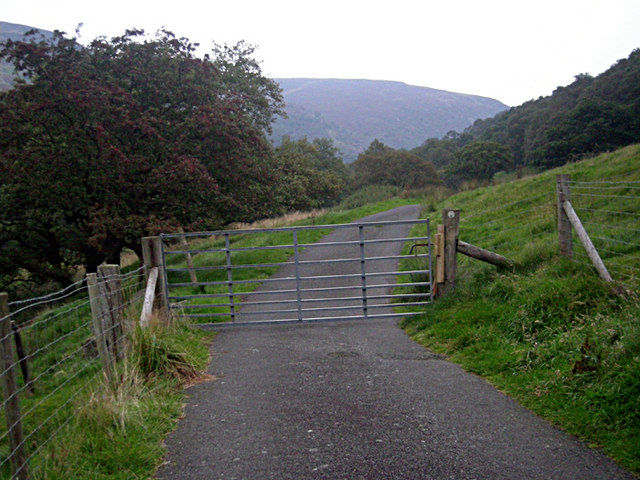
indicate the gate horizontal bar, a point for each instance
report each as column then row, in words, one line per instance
column 214, row 326
column 304, row 300
column 303, row 290
column 290, row 229
column 285, row 279
column 295, row 310
column 282, row 264
column 302, row 245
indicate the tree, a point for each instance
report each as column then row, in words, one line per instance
column 311, row 173
column 382, row 165
column 127, row 137
column 480, row 160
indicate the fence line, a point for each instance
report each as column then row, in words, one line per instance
column 48, row 297
column 608, row 211
column 610, row 219
column 61, row 351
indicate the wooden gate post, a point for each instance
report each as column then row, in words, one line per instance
column 451, row 222
column 564, row 224
column 152, row 257
column 11, row 402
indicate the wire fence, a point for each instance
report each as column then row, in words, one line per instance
column 502, row 227
column 608, row 210
column 55, row 364
column 610, row 213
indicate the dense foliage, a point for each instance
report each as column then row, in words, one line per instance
column 313, row 173
column 383, row 165
column 588, row 116
column 480, row 160
column 129, row 136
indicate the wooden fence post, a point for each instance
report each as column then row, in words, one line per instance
column 451, row 222
column 564, row 224
column 97, row 317
column 152, row 257
column 110, row 287
column 11, row 401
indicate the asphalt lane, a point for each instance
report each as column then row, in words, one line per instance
column 359, row 400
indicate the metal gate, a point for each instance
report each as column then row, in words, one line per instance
column 311, row 273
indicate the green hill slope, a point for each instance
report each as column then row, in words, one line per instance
column 550, row 333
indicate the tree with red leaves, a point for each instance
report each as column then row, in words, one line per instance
column 104, row 144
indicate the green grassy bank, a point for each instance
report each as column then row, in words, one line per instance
column 550, row 333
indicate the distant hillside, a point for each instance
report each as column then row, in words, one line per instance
column 12, row 31
column 355, row 112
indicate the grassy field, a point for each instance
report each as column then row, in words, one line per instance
column 551, row 333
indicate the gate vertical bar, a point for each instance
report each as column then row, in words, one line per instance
column 227, row 248
column 165, row 278
column 296, row 256
column 429, row 257
column 363, row 272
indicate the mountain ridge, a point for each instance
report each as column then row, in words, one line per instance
column 354, row 112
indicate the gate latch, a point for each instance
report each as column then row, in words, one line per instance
column 415, row 245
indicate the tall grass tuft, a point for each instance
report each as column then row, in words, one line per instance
column 158, row 355
column 120, row 424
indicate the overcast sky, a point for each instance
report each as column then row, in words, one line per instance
column 511, row 50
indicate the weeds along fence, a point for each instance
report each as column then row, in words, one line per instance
column 602, row 232
column 54, row 350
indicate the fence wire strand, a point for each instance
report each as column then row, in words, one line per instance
column 607, row 209
column 61, row 353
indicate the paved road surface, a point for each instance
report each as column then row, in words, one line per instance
column 360, row 400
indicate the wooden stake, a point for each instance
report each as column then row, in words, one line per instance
column 110, row 287
column 451, row 222
column 185, row 247
column 22, row 358
column 586, row 242
column 149, row 296
column 152, row 257
column 484, row 255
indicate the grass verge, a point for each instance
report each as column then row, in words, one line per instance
column 550, row 333
column 119, row 426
